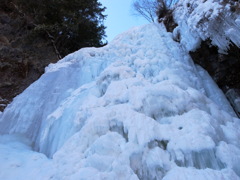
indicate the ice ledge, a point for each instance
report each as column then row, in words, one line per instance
column 212, row 19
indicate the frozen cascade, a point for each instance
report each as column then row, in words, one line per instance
column 137, row 108
column 216, row 20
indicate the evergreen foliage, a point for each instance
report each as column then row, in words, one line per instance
column 71, row 24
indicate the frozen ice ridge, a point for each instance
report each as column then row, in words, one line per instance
column 137, row 108
column 214, row 20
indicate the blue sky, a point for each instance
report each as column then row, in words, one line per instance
column 120, row 17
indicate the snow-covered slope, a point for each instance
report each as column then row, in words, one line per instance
column 137, row 108
column 216, row 20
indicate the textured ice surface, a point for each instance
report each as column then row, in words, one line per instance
column 212, row 19
column 137, row 108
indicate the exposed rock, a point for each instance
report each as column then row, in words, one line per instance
column 224, row 68
column 168, row 20
column 4, row 40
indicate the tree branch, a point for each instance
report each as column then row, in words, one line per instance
column 35, row 25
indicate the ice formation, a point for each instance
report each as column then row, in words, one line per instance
column 137, row 108
column 216, row 20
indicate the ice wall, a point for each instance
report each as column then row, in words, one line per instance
column 137, row 108
column 216, row 20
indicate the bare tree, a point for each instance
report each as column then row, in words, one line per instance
column 150, row 9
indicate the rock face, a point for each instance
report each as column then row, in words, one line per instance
column 224, row 68
column 23, row 55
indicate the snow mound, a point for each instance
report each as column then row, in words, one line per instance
column 216, row 20
column 137, row 108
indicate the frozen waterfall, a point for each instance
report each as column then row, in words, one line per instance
column 137, row 108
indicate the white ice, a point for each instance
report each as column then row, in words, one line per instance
column 212, row 20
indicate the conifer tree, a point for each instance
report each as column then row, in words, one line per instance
column 71, row 24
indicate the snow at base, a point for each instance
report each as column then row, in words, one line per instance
column 137, row 108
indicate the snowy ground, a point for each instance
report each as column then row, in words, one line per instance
column 137, row 108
